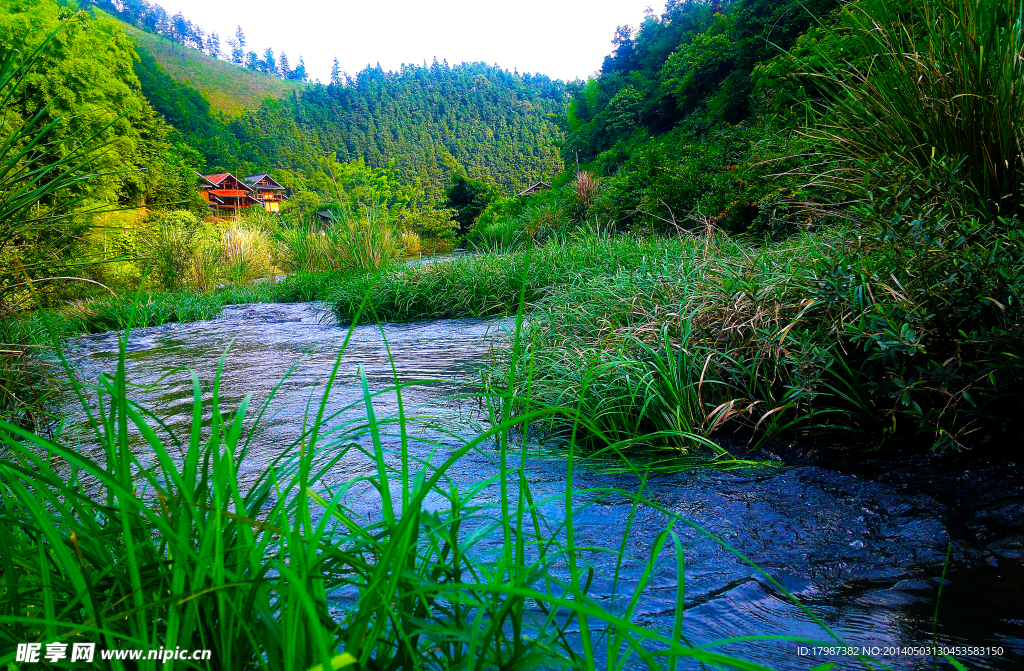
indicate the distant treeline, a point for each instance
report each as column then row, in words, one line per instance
column 153, row 18
column 424, row 123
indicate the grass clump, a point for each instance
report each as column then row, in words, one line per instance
column 830, row 336
column 932, row 81
column 362, row 241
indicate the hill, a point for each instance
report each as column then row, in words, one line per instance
column 230, row 89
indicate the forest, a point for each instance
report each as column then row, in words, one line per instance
column 770, row 248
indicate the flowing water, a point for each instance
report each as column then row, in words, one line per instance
column 862, row 544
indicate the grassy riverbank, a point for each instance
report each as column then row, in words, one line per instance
column 833, row 337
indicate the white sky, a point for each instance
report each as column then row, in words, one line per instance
column 563, row 39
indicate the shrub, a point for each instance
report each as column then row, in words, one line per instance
column 435, row 227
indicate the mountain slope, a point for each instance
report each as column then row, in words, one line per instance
column 230, row 89
column 424, row 122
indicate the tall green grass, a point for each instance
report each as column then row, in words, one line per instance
column 490, row 284
column 362, row 241
column 929, row 81
column 829, row 337
column 157, row 542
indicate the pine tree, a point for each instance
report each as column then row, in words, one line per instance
column 283, row 69
column 213, row 44
column 335, row 73
column 238, row 47
column 299, row 73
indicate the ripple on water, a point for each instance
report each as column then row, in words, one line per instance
column 863, row 553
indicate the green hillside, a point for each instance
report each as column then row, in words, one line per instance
column 230, row 89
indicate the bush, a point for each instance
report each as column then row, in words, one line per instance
column 516, row 222
column 436, row 228
column 468, row 197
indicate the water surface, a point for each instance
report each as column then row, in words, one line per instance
column 862, row 543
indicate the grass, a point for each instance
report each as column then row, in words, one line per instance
column 827, row 337
column 362, row 241
column 163, row 545
column 932, row 80
column 490, row 285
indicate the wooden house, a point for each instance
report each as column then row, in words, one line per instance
column 267, row 191
column 226, row 194
column 536, row 188
column 325, row 218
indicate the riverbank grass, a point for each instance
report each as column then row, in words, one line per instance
column 827, row 337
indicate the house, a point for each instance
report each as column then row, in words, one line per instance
column 325, row 218
column 267, row 191
column 226, row 194
column 536, row 188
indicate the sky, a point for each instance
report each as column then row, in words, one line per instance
column 563, row 39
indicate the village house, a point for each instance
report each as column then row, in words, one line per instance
column 226, row 194
column 267, row 191
column 535, row 188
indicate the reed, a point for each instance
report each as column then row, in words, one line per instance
column 930, row 80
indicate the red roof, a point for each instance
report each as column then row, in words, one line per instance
column 218, row 178
column 237, row 193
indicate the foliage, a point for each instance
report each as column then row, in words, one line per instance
column 435, row 226
column 425, row 123
column 84, row 85
column 468, row 197
column 511, row 224
column 672, row 117
column 935, row 81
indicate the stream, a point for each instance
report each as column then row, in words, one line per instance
column 861, row 541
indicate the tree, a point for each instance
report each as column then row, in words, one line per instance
column 213, row 44
column 179, row 28
column 252, row 61
column 468, row 197
column 269, row 63
column 238, row 47
column 283, row 69
column 299, row 73
column 335, row 73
